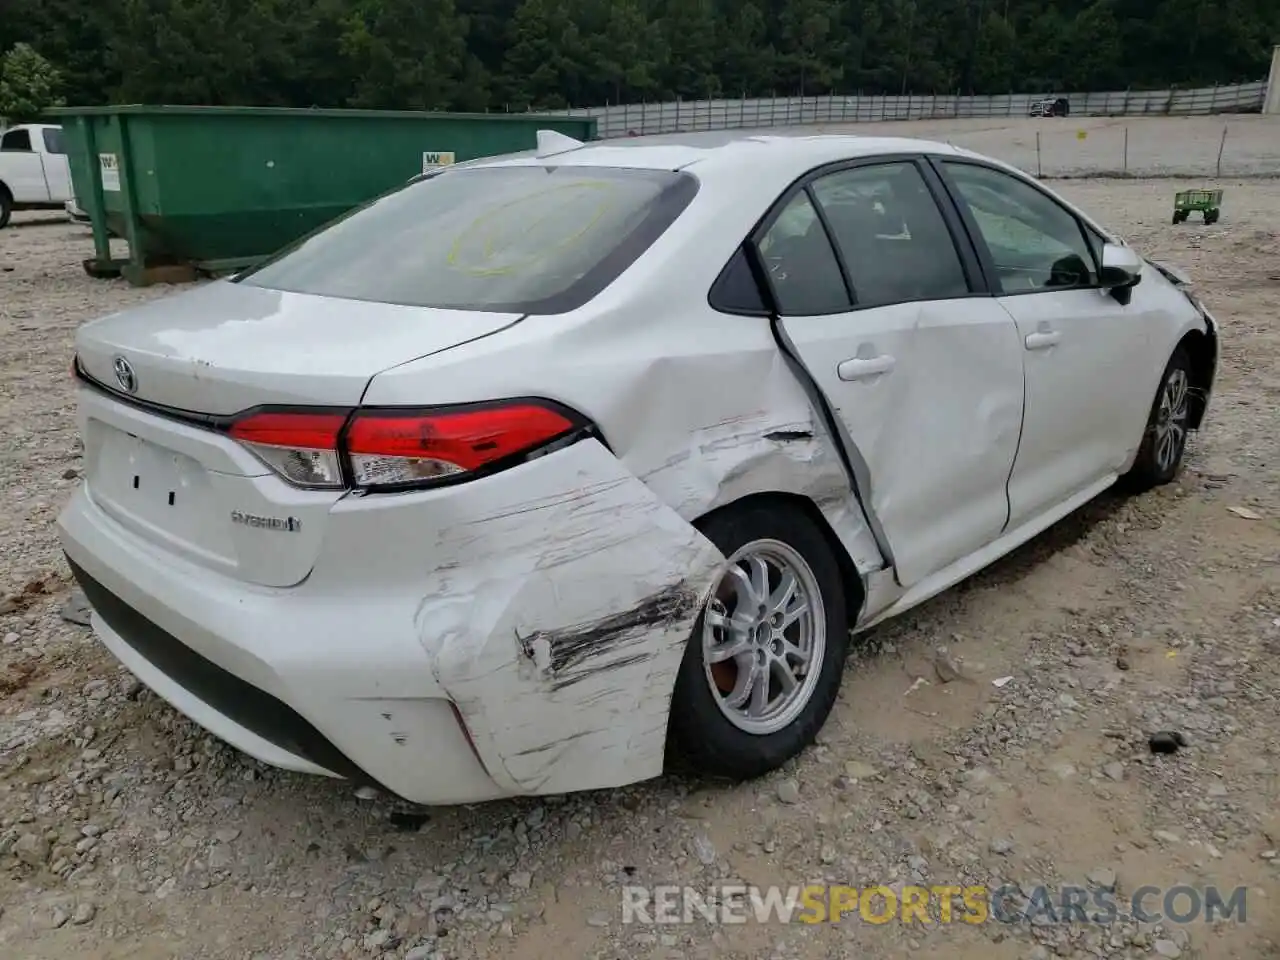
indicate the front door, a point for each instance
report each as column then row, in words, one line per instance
column 1084, row 353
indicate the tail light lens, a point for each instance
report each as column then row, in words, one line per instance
column 397, row 449
column 301, row 447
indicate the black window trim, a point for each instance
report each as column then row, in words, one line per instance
column 1090, row 231
column 981, row 281
column 940, row 162
column 715, row 294
column 975, row 269
column 829, row 232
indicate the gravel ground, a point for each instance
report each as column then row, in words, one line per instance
column 127, row 833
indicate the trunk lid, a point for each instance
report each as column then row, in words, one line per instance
column 193, row 491
column 226, row 347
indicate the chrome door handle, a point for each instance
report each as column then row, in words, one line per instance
column 1042, row 340
column 860, row 369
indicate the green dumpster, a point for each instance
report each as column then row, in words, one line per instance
column 215, row 189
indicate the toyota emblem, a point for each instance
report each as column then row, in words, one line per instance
column 124, row 375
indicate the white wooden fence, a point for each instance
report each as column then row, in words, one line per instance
column 619, row 120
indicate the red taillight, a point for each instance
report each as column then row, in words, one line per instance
column 301, row 447
column 314, row 431
column 398, row 448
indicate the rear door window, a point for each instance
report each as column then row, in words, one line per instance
column 802, row 265
column 888, row 227
column 16, row 141
column 510, row 239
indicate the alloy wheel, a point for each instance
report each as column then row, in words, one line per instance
column 764, row 637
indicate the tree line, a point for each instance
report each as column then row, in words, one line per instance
column 517, row 54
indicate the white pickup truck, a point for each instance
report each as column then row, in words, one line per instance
column 34, row 173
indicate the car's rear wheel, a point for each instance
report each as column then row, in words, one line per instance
column 6, row 207
column 1165, row 441
column 763, row 667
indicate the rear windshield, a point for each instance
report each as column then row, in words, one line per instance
column 518, row 239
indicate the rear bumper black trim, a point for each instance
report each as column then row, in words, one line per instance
column 241, row 702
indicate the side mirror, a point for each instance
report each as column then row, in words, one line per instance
column 1121, row 272
column 1121, row 267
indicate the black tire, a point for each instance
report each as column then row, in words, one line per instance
column 701, row 734
column 6, row 207
column 1177, row 218
column 1154, row 467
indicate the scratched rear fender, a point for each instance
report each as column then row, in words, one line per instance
column 555, row 613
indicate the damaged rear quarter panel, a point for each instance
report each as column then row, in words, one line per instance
column 556, row 603
column 536, row 610
column 566, row 591
column 700, row 405
column 757, row 433
column 573, row 678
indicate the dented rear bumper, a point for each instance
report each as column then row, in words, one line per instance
column 518, row 634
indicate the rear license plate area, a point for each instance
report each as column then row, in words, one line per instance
column 157, row 491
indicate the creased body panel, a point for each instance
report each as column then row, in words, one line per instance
column 556, row 602
column 551, row 603
column 701, row 406
column 757, row 435
column 936, row 424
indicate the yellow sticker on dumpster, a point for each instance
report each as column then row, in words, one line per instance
column 110, row 168
column 436, row 159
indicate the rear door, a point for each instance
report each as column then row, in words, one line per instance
column 20, row 167
column 923, row 370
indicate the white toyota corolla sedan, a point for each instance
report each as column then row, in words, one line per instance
column 540, row 471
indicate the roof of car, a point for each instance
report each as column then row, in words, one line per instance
column 724, row 148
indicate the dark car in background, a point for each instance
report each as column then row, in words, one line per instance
column 1050, row 107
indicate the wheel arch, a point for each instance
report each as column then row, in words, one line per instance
column 854, row 586
column 1202, row 349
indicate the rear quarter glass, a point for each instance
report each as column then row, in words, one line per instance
column 518, row 239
